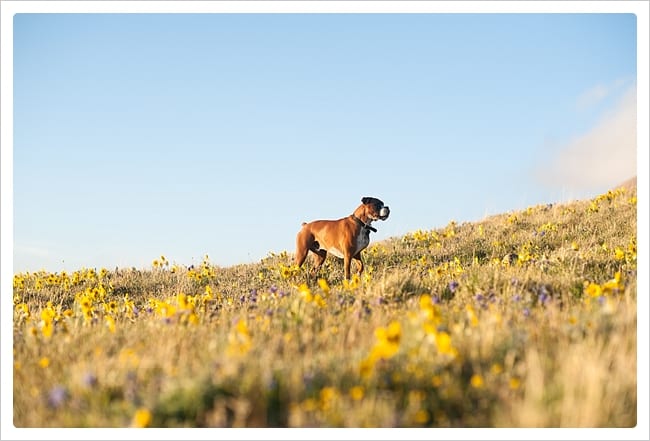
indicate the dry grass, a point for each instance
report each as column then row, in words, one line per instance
column 526, row 319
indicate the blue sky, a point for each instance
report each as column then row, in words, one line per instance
column 185, row 135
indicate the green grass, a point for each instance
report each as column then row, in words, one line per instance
column 525, row 319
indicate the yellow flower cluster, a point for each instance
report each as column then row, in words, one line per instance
column 309, row 297
column 447, row 269
column 450, row 229
column 288, row 272
column 353, row 283
column 205, row 272
column 376, row 249
column 48, row 316
column 612, row 286
column 160, row 263
column 65, row 281
column 547, row 227
column 87, row 299
column 181, row 307
column 239, row 339
column 432, row 319
column 610, row 197
column 526, row 253
column 51, row 319
column 387, row 342
column 425, row 239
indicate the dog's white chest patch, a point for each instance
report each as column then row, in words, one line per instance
column 363, row 239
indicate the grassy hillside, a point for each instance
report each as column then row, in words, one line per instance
column 525, row 319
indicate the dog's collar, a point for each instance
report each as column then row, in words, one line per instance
column 363, row 224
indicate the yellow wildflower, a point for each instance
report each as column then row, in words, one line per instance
column 421, row 416
column 443, row 342
column 356, row 393
column 514, row 383
column 619, row 254
column 476, row 381
column 613, row 285
column 593, row 289
column 304, row 290
column 496, row 369
column 141, row 418
column 324, row 286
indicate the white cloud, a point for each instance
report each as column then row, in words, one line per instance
column 603, row 157
column 599, row 93
column 592, row 97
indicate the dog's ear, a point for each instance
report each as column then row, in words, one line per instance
column 365, row 200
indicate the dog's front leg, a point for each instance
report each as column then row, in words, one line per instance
column 357, row 257
column 346, row 265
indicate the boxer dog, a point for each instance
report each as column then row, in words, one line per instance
column 345, row 238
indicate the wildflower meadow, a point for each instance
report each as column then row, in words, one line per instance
column 524, row 319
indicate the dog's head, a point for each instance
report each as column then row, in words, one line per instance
column 375, row 209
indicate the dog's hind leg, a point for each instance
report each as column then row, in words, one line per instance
column 303, row 243
column 319, row 258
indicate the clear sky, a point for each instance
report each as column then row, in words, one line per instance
column 185, row 135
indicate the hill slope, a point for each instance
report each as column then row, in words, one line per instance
column 525, row 319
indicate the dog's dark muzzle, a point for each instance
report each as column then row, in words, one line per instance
column 384, row 212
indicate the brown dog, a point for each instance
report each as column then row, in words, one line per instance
column 345, row 238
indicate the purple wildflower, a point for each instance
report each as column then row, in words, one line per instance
column 273, row 289
column 526, row 312
column 544, row 295
column 452, row 286
column 89, row 380
column 57, row 396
